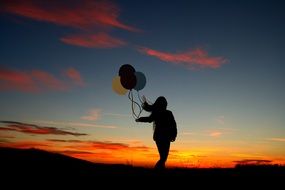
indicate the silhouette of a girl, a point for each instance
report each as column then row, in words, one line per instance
column 164, row 125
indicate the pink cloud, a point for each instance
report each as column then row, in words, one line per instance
column 17, row 80
column 75, row 76
column 197, row 58
column 85, row 14
column 100, row 40
column 48, row 80
column 36, row 80
column 96, row 17
column 221, row 120
column 93, row 115
column 215, row 134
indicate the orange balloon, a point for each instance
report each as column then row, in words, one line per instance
column 117, row 86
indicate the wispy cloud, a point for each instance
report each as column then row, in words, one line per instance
column 277, row 139
column 221, row 120
column 215, row 134
column 93, row 18
column 92, row 115
column 17, row 80
column 252, row 161
column 116, row 115
column 48, row 80
column 187, row 133
column 100, row 145
column 197, row 58
column 75, row 124
column 75, row 76
column 26, row 144
column 99, row 40
column 105, row 151
column 6, row 136
column 219, row 132
column 108, row 145
column 75, row 152
column 35, row 80
column 86, row 14
column 35, row 129
column 65, row 141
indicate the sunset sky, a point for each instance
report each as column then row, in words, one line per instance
column 220, row 65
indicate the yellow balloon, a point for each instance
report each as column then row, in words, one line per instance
column 117, row 86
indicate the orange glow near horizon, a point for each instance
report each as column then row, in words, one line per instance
column 119, row 153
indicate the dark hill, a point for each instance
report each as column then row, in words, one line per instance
column 35, row 163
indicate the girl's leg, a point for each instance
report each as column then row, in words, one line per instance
column 163, row 149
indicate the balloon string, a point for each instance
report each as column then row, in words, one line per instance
column 131, row 97
column 139, row 105
column 133, row 105
column 140, row 109
column 139, row 97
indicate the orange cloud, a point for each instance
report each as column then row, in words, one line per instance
column 76, row 153
column 100, row 40
column 197, row 58
column 277, row 139
column 96, row 151
column 109, row 152
column 108, row 145
column 35, row 129
column 100, row 145
column 251, row 161
column 68, row 141
column 6, row 136
column 75, row 76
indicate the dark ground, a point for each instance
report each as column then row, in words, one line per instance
column 32, row 168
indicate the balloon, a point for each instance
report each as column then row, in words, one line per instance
column 141, row 81
column 126, row 70
column 129, row 81
column 117, row 86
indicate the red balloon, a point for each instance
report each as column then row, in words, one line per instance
column 128, row 81
column 126, row 70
